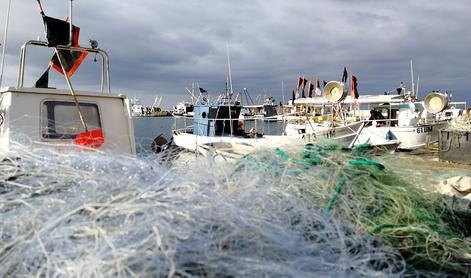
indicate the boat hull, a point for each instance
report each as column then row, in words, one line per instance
column 410, row 138
column 343, row 135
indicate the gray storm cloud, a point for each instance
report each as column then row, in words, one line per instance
column 159, row 47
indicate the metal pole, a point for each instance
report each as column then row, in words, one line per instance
column 417, row 90
column 283, row 92
column 412, row 77
column 5, row 43
column 70, row 25
column 72, row 92
column 230, row 87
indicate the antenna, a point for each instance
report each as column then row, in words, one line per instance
column 229, row 69
column 417, row 90
column 230, row 86
column 5, row 43
column 283, row 91
column 412, row 76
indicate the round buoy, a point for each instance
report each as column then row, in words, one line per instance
column 159, row 144
column 435, row 102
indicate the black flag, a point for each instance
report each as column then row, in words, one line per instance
column 310, row 89
column 345, row 75
column 304, row 83
column 58, row 33
column 354, row 86
column 71, row 60
column 298, row 85
column 293, row 97
column 325, row 83
column 43, row 81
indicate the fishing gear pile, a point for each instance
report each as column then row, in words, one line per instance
column 322, row 211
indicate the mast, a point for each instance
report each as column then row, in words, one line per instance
column 412, row 77
column 417, row 90
column 230, row 86
column 283, row 92
column 70, row 25
column 5, row 43
column 229, row 69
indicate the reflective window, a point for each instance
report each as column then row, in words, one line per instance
column 61, row 120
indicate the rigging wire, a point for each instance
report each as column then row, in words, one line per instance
column 5, row 43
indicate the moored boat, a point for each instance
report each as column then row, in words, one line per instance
column 402, row 118
column 219, row 123
column 65, row 118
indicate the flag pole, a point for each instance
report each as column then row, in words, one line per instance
column 65, row 72
column 5, row 43
column 82, row 120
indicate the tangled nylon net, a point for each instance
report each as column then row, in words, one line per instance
column 461, row 123
column 320, row 211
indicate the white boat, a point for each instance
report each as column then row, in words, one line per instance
column 266, row 111
column 137, row 108
column 65, row 118
column 183, row 109
column 219, row 123
column 404, row 119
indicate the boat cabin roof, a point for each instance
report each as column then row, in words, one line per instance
column 363, row 99
column 253, row 106
column 408, row 105
column 66, row 92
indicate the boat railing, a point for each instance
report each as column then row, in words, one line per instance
column 105, row 66
column 241, row 126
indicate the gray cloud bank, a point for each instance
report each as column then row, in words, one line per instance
column 160, row 47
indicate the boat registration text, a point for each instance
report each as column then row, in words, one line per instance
column 424, row 129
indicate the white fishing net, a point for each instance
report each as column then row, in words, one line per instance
column 91, row 214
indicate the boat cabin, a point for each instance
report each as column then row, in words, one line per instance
column 56, row 117
column 217, row 120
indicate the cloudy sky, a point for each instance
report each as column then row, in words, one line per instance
column 159, row 47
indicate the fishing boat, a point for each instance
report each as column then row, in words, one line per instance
column 65, row 118
column 154, row 110
column 389, row 118
column 265, row 111
column 137, row 108
column 183, row 109
column 218, row 123
column 410, row 123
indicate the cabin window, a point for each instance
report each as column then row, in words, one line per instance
column 61, row 120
